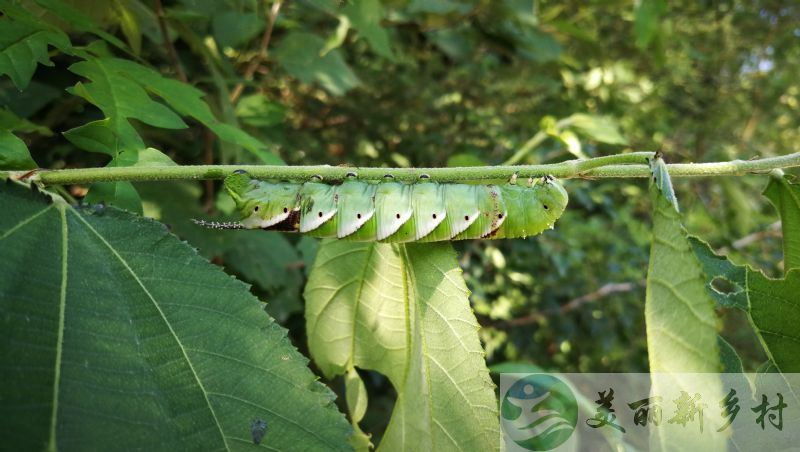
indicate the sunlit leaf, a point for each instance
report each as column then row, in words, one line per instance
column 403, row 311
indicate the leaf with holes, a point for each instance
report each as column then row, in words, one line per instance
column 403, row 311
column 114, row 333
column 725, row 281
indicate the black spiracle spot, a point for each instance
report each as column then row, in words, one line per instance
column 255, row 209
column 285, row 209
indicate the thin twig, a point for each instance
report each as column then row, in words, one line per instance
column 262, row 52
column 173, row 55
column 574, row 304
column 773, row 230
column 606, row 290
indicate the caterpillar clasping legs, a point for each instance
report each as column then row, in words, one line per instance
column 397, row 212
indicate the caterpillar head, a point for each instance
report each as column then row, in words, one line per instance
column 261, row 204
column 552, row 196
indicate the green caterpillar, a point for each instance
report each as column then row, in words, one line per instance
column 396, row 212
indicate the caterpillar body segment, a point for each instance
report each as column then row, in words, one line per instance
column 398, row 212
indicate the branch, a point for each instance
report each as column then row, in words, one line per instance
column 262, row 52
column 536, row 318
column 173, row 55
column 620, row 165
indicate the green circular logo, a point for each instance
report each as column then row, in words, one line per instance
column 539, row 412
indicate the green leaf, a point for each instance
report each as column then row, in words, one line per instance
column 299, row 53
column 599, row 128
column 120, row 80
column 785, row 196
column 122, row 195
column 153, row 157
column 365, row 16
column 129, row 24
column 268, row 260
column 682, row 341
column 681, row 323
column 772, row 304
column 115, row 332
column 188, row 101
column 646, row 21
column 104, row 136
column 14, row 153
column 234, row 28
column 23, row 45
column 80, row 21
column 27, row 103
column 13, row 123
column 440, row 6
column 725, row 281
column 731, row 362
column 403, row 311
column 775, row 313
column 537, row 45
column 119, row 94
column 258, row 111
column 458, row 43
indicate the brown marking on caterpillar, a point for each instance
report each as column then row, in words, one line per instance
column 495, row 208
column 491, row 233
column 290, row 224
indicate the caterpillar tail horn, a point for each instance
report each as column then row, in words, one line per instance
column 217, row 224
